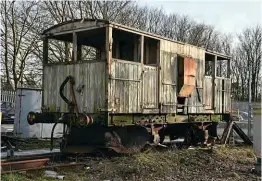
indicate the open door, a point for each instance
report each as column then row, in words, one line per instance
column 150, row 89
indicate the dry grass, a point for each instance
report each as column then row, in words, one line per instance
column 222, row 163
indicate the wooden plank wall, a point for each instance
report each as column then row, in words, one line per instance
column 168, row 53
column 227, row 97
column 150, row 91
column 208, row 92
column 168, row 81
column 125, row 86
column 91, row 74
column 219, row 94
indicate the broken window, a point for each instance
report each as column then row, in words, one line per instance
column 209, row 61
column 222, row 67
column 150, row 51
column 90, row 45
column 125, row 46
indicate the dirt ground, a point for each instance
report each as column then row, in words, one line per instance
column 221, row 163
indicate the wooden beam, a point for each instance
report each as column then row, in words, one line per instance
column 45, row 50
column 74, row 47
column 214, row 74
column 141, row 52
column 108, row 50
column 109, row 46
column 79, row 52
column 228, row 68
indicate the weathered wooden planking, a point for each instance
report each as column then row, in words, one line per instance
column 126, row 83
column 168, row 81
column 169, row 75
column 150, row 90
column 74, row 26
column 92, row 75
column 219, row 95
column 208, row 93
column 227, row 97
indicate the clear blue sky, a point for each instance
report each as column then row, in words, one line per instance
column 228, row 16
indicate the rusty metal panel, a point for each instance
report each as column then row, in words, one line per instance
column 91, row 75
column 125, row 86
column 189, row 77
column 150, row 87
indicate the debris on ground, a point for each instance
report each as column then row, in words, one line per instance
column 221, row 163
column 53, row 174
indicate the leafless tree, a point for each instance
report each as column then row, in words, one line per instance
column 17, row 19
column 25, row 21
column 250, row 44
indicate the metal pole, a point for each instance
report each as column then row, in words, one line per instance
column 249, row 101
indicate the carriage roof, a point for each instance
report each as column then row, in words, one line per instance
column 79, row 25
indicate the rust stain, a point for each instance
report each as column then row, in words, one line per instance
column 189, row 77
column 24, row 164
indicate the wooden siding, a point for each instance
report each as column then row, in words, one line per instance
column 223, row 95
column 227, row 97
column 125, row 86
column 168, row 81
column 168, row 54
column 150, row 87
column 92, row 75
column 222, row 90
column 219, row 95
column 208, row 93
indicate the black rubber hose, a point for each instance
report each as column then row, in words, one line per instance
column 62, row 89
column 52, row 136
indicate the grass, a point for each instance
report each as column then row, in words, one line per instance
column 222, row 163
column 33, row 143
column 257, row 110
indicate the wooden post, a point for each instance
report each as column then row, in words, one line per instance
column 142, row 69
column 45, row 50
column 214, row 74
column 108, row 49
column 228, row 68
column 141, row 49
column 79, row 52
column 158, row 73
column 74, row 47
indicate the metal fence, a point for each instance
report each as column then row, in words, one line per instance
column 8, row 96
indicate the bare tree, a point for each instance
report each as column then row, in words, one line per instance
column 17, row 18
column 250, row 44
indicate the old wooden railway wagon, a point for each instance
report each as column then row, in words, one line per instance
column 117, row 87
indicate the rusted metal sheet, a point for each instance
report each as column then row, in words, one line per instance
column 24, row 164
column 189, row 77
column 89, row 74
column 125, row 83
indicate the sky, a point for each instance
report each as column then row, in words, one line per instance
column 227, row 16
